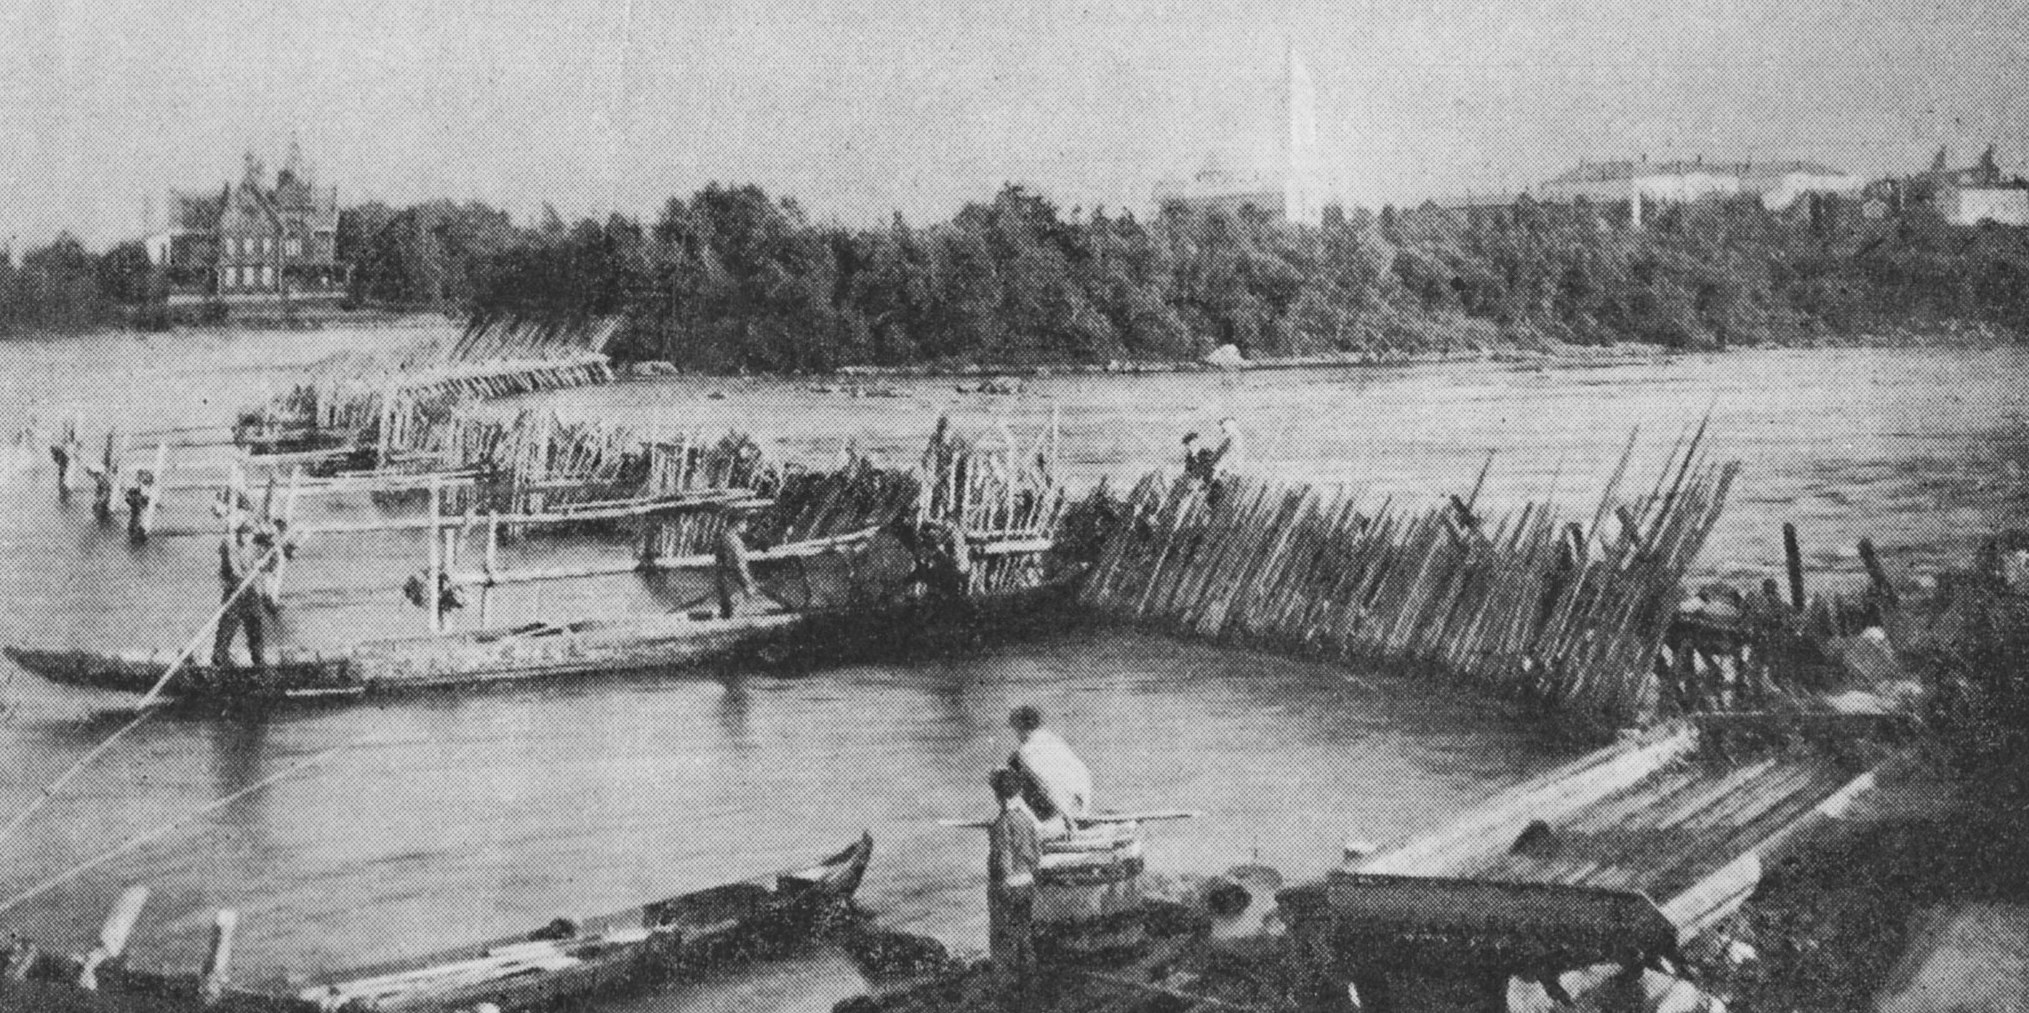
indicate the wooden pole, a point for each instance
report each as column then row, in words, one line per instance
column 1876, row 572
column 492, row 567
column 432, row 590
column 452, row 536
column 166, row 829
column 161, row 482
column 112, row 935
column 216, row 965
column 1795, row 559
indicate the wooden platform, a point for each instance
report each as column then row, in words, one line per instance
column 1668, row 830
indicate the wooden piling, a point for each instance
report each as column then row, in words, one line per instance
column 218, row 961
column 113, row 935
column 1501, row 602
column 433, row 590
column 1793, row 558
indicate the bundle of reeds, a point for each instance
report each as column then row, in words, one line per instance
column 359, row 398
column 1568, row 617
column 502, row 339
column 990, row 487
column 855, row 497
column 693, row 465
column 1003, row 498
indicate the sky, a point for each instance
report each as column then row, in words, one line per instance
column 860, row 110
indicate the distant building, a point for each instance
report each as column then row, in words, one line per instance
column 1622, row 182
column 1291, row 187
column 1978, row 193
column 254, row 241
column 1635, row 186
column 1782, row 184
column 1977, row 205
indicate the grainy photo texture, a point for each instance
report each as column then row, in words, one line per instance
column 1108, row 507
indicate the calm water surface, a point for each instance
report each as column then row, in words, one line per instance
column 465, row 816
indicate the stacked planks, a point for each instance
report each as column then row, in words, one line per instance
column 1667, row 833
column 1567, row 617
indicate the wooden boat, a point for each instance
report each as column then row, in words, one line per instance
column 422, row 663
column 553, row 651
column 560, row 963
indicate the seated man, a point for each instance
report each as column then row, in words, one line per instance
column 1056, row 784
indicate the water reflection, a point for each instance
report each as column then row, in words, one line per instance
column 732, row 714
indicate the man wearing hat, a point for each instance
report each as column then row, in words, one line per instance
column 238, row 560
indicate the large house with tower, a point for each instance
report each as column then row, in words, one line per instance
column 255, row 240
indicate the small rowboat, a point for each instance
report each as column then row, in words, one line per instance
column 546, row 652
column 558, row 964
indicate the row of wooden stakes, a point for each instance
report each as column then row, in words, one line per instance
column 1562, row 615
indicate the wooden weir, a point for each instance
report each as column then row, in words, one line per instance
column 1565, row 616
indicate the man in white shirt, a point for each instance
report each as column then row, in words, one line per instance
column 1058, row 786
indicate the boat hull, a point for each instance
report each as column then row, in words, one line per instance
column 554, row 965
column 506, row 657
column 420, row 664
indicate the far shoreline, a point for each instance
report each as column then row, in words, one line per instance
column 1947, row 334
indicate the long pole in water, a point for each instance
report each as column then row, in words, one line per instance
column 145, row 706
column 168, row 828
column 436, row 537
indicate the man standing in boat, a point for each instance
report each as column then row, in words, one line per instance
column 238, row 560
column 1055, row 783
column 732, row 577
column 1013, row 853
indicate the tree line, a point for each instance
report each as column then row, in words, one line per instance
column 731, row 279
column 734, row 279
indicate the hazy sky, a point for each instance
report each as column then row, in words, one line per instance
column 861, row 109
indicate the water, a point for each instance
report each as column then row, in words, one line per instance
column 468, row 816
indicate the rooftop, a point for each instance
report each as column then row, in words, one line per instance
column 1602, row 172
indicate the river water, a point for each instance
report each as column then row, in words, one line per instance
column 462, row 817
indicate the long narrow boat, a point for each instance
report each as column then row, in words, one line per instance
column 551, row 651
column 559, row 964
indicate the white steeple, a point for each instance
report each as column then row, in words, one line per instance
column 1303, row 194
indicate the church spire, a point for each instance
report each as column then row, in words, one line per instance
column 1302, row 196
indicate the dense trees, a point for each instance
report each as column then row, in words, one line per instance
column 60, row 287
column 732, row 279
column 423, row 257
